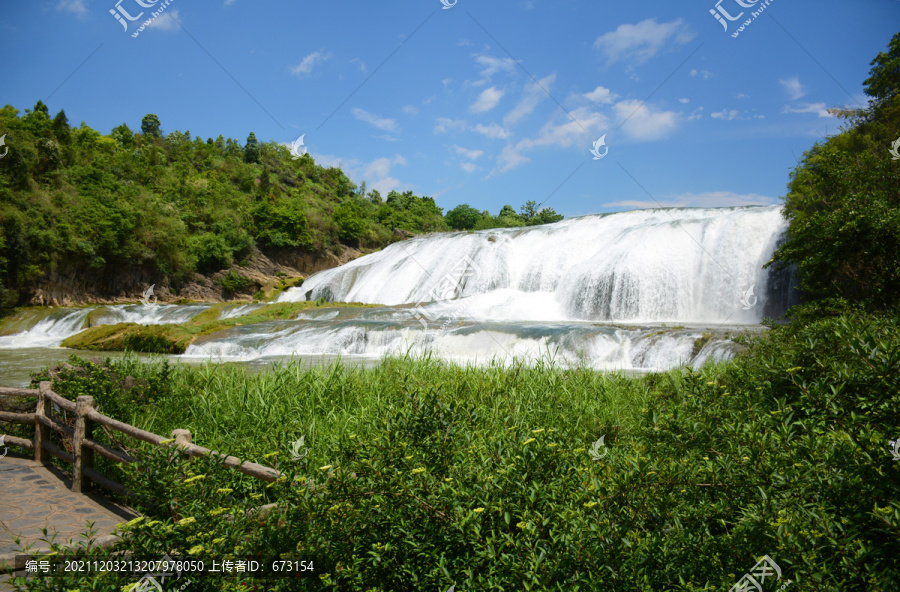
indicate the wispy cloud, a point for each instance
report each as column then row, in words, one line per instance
column 556, row 132
column 166, row 21
column 309, row 62
column 77, row 7
column 725, row 114
column 410, row 110
column 487, row 100
column 705, row 74
column 490, row 65
column 376, row 174
column 470, row 154
column 640, row 42
column 644, row 122
column 493, row 131
column 359, row 64
column 793, row 87
column 684, row 101
column 711, row 199
column 534, row 93
column 382, row 123
column 818, row 108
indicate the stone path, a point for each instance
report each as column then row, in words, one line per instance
column 33, row 497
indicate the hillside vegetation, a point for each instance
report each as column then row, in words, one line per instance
column 133, row 208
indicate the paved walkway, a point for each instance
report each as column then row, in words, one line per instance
column 33, row 497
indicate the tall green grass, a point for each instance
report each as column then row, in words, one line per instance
column 249, row 414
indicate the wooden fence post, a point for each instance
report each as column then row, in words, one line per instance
column 84, row 456
column 42, row 432
column 182, row 438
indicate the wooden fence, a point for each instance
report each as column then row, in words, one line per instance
column 83, row 444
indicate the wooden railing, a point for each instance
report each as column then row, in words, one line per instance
column 83, row 444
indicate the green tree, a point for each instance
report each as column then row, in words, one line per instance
column 843, row 207
column 150, row 125
column 251, row 149
column 462, row 217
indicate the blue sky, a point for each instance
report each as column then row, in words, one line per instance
column 485, row 103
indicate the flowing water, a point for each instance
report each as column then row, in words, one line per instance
column 636, row 291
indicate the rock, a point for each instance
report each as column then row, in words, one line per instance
column 403, row 234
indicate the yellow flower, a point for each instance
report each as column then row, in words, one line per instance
column 153, row 523
column 186, row 521
column 551, row 445
column 478, row 510
column 256, row 496
column 325, row 468
column 224, row 490
column 217, row 541
column 407, row 458
column 590, row 504
column 167, row 441
column 705, row 458
column 270, row 455
column 448, row 479
column 537, row 431
column 218, row 511
column 192, row 479
column 195, row 550
column 136, row 521
column 417, row 471
column 528, row 441
column 522, row 525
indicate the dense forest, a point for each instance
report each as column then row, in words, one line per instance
column 166, row 206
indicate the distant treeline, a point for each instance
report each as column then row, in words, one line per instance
column 169, row 205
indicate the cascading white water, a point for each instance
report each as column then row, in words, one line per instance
column 689, row 265
column 48, row 332
column 66, row 322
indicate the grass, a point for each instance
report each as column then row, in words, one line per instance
column 253, row 414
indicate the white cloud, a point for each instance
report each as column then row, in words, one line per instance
column 684, row 101
column 534, row 93
column 382, row 123
column 643, row 122
column 818, row 108
column 726, row 114
column 638, row 43
column 706, row 74
column 711, row 199
column 445, row 124
column 410, row 110
column 793, row 87
column 600, row 95
column 487, row 100
column 306, row 66
column 490, row 65
column 468, row 166
column 446, row 82
column 229, row 2
column 74, row 6
column 166, row 21
column 493, row 131
column 359, row 64
column 587, row 124
column 470, row 154
column 741, row 96
column 376, row 174
column 696, row 114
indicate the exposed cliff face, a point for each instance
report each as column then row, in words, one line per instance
column 64, row 287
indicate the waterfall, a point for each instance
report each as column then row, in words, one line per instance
column 689, row 265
